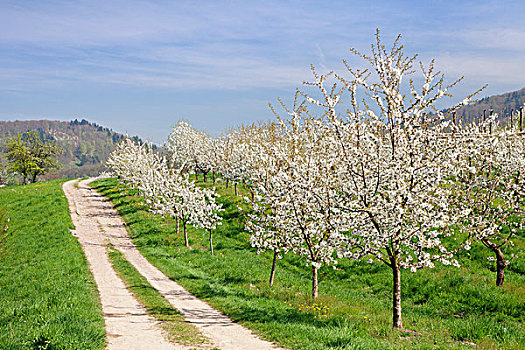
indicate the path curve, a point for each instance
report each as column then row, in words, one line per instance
column 218, row 328
column 128, row 326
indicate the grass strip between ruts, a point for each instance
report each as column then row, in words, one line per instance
column 171, row 321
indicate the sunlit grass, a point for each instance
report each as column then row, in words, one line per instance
column 48, row 298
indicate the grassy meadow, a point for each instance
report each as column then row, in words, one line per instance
column 448, row 307
column 48, row 298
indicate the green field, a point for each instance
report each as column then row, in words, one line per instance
column 48, row 298
column 448, row 307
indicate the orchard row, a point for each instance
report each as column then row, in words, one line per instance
column 355, row 169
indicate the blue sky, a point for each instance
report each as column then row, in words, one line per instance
column 139, row 66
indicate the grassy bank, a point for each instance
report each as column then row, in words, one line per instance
column 448, row 307
column 48, row 298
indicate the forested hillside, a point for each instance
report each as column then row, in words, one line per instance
column 502, row 104
column 86, row 145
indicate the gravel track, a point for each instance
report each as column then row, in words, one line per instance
column 128, row 326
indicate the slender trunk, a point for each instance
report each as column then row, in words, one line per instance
column 500, row 266
column 196, row 175
column 185, row 233
column 235, row 188
column 213, row 176
column 227, row 183
column 33, row 180
column 205, row 176
column 500, row 261
column 178, row 230
column 315, row 282
column 272, row 273
column 396, row 296
column 516, row 193
column 211, row 244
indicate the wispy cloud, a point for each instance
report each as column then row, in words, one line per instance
column 119, row 49
column 219, row 45
column 177, row 45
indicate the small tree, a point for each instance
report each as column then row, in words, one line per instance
column 395, row 165
column 293, row 211
column 205, row 211
column 191, row 150
column 232, row 161
column 259, row 167
column 492, row 190
column 29, row 156
column 261, row 225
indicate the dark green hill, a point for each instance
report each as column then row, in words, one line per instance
column 86, row 145
column 502, row 104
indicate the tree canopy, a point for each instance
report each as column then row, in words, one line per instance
column 29, row 156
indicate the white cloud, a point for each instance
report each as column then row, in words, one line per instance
column 122, row 49
column 508, row 70
column 511, row 40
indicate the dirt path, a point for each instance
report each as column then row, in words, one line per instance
column 127, row 324
column 99, row 217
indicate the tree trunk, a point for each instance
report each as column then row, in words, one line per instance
column 315, row 282
column 500, row 267
column 213, row 176
column 272, row 273
column 227, row 183
column 33, row 179
column 500, row 261
column 211, row 244
column 177, row 220
column 185, row 234
column 396, row 296
column 205, row 176
column 235, row 188
column 196, row 175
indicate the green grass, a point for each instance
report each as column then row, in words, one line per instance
column 171, row 321
column 4, row 227
column 448, row 307
column 48, row 298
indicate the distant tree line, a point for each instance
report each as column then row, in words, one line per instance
column 116, row 138
column 503, row 105
column 85, row 145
